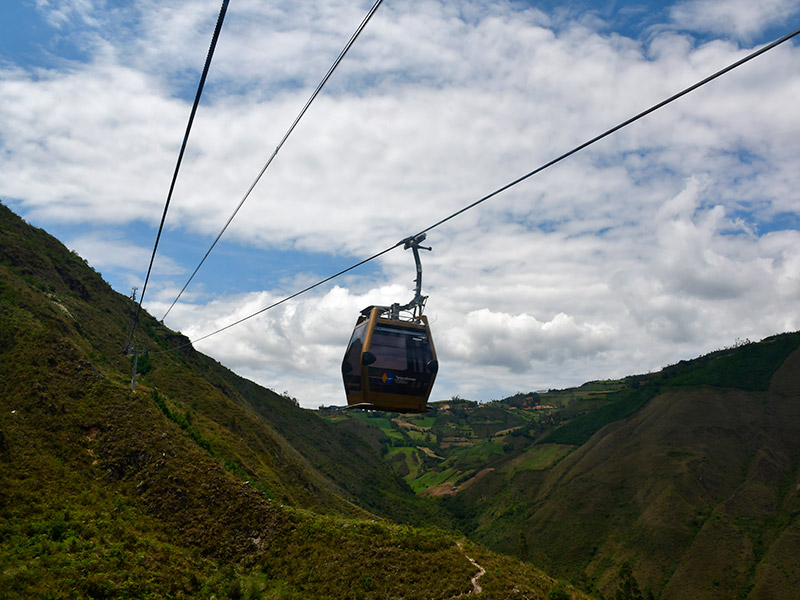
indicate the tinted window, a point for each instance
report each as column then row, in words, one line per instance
column 390, row 346
column 402, row 355
column 351, row 365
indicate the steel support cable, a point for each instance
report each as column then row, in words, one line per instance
column 597, row 138
column 212, row 46
column 322, row 83
column 286, row 299
column 616, row 128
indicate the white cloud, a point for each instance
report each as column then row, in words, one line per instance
column 516, row 342
column 740, row 18
column 641, row 250
column 60, row 13
column 93, row 143
column 112, row 251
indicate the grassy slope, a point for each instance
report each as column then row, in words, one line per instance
column 697, row 472
column 57, row 310
column 187, row 487
column 748, row 367
column 652, row 471
column 342, row 454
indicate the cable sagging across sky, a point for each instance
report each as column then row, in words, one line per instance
column 322, row 83
column 515, row 182
column 223, row 9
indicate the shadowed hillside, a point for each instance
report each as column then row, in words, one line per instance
column 698, row 491
column 61, row 316
column 678, row 484
column 199, row 483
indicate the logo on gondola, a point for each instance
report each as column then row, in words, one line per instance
column 387, row 378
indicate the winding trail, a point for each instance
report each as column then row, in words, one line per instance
column 476, row 586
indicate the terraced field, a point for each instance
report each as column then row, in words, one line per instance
column 439, row 452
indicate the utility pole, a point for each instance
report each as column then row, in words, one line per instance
column 128, row 348
column 131, row 347
column 135, row 364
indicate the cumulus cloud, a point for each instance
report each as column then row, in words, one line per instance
column 740, row 18
column 93, row 142
column 518, row 341
column 659, row 243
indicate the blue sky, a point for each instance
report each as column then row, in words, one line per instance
column 674, row 237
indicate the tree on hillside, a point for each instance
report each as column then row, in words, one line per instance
column 523, row 546
column 628, row 587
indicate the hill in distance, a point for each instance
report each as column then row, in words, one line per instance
column 200, row 483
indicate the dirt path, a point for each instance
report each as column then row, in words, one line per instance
column 476, row 586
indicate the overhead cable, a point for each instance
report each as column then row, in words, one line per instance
column 498, row 191
column 616, row 128
column 327, row 76
column 286, row 299
column 223, row 9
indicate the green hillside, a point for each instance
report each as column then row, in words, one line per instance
column 199, row 483
column 681, row 484
column 697, row 491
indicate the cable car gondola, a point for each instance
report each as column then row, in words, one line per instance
column 390, row 363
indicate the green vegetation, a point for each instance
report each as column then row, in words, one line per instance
column 100, row 550
column 433, row 478
column 538, row 458
column 584, row 426
column 748, row 366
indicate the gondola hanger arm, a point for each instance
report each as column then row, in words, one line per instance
column 414, row 242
